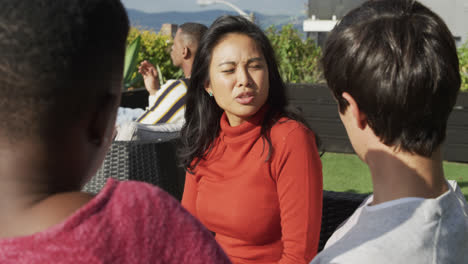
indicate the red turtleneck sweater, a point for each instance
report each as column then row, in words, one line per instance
column 261, row 211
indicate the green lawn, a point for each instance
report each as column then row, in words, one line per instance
column 347, row 173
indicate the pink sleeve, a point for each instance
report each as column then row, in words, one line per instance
column 299, row 187
column 173, row 235
column 195, row 242
column 189, row 197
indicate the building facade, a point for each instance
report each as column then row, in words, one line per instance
column 324, row 14
column 455, row 15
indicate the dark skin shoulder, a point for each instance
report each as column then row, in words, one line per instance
column 44, row 214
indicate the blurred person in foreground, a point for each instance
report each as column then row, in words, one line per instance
column 392, row 66
column 58, row 108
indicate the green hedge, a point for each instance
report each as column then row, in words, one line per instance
column 463, row 57
column 298, row 59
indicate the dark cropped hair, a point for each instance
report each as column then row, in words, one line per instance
column 194, row 31
column 398, row 60
column 202, row 114
column 56, row 57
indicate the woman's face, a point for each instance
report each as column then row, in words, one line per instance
column 238, row 77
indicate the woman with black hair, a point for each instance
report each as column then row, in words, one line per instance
column 253, row 170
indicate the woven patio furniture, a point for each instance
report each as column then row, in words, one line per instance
column 153, row 162
column 134, row 131
column 337, row 207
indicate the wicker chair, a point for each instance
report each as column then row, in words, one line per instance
column 337, row 207
column 154, row 162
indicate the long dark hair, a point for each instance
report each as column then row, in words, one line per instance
column 202, row 114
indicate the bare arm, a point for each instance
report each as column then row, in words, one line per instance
column 150, row 77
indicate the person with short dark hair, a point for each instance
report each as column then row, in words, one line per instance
column 392, row 66
column 167, row 103
column 58, row 109
column 254, row 175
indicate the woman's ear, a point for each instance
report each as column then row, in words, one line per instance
column 359, row 117
column 208, row 87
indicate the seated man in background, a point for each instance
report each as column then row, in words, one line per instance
column 167, row 103
column 392, row 66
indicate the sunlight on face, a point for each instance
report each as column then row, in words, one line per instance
column 238, row 77
column 177, row 49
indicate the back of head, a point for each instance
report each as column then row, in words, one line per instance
column 57, row 58
column 193, row 32
column 398, row 60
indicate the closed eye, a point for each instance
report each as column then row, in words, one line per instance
column 256, row 66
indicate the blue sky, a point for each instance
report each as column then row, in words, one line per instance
column 271, row 7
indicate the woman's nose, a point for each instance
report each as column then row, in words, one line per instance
column 243, row 77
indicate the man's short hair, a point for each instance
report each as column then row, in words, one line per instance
column 56, row 59
column 398, row 60
column 193, row 32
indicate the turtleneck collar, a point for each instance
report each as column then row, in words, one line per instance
column 248, row 129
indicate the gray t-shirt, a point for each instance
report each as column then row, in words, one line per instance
column 407, row 230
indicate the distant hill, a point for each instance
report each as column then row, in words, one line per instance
column 155, row 20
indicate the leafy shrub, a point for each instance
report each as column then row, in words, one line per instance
column 155, row 48
column 298, row 60
column 463, row 57
column 130, row 63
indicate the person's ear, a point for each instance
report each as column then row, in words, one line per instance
column 102, row 122
column 208, row 87
column 358, row 116
column 186, row 52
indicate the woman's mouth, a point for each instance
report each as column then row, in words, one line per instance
column 245, row 98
